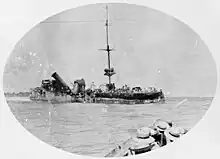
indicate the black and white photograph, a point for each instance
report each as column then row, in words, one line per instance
column 110, row 80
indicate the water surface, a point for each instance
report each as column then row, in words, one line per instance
column 94, row 129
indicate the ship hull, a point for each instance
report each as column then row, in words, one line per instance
column 124, row 101
column 54, row 100
column 49, row 97
column 131, row 96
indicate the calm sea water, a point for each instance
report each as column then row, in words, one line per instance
column 95, row 129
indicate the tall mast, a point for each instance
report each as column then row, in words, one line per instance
column 110, row 71
column 107, row 42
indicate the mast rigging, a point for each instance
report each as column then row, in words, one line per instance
column 110, row 71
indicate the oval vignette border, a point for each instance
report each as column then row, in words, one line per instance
column 210, row 110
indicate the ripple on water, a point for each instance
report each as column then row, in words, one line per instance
column 88, row 130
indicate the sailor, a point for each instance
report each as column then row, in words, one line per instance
column 93, row 86
column 113, row 86
column 161, row 126
column 172, row 134
column 143, row 141
column 126, row 88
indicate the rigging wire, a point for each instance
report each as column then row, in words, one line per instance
column 87, row 21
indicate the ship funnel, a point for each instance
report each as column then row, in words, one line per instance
column 59, row 79
column 61, row 82
column 79, row 86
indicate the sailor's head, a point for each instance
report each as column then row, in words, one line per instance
column 162, row 125
column 143, row 136
column 174, row 133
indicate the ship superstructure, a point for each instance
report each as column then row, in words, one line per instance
column 107, row 93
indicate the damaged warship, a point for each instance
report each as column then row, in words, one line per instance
column 56, row 90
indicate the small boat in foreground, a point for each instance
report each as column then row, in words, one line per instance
column 148, row 138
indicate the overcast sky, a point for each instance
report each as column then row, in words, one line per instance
column 151, row 49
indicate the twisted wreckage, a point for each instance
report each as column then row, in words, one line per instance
column 58, row 91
